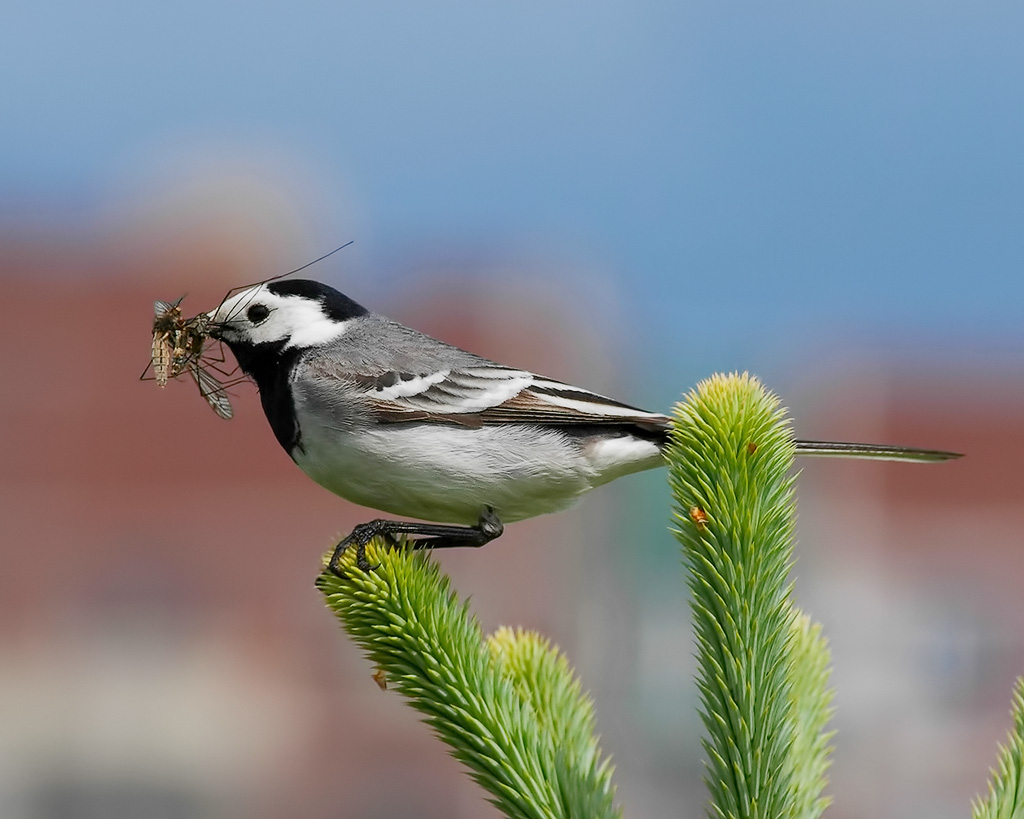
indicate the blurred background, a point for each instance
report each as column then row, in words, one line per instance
column 628, row 196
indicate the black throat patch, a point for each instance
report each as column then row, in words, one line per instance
column 270, row 366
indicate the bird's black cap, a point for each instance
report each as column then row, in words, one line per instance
column 337, row 306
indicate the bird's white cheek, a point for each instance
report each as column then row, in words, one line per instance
column 304, row 324
column 267, row 333
column 250, row 335
column 315, row 334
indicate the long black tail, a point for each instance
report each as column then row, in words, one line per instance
column 836, row 449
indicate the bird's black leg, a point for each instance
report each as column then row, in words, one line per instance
column 425, row 536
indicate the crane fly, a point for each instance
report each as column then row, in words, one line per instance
column 179, row 345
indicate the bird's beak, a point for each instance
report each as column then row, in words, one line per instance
column 214, row 328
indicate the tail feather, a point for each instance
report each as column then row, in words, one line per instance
column 838, row 449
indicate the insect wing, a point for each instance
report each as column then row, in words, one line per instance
column 212, row 390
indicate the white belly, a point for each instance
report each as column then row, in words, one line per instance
column 449, row 473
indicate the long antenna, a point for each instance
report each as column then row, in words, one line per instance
column 241, row 287
column 310, row 264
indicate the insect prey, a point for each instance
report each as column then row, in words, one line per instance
column 179, row 344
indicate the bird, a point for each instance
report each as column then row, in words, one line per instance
column 392, row 419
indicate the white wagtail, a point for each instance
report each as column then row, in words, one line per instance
column 395, row 420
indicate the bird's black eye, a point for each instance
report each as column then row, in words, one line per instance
column 258, row 313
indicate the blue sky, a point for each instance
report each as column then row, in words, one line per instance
column 740, row 172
